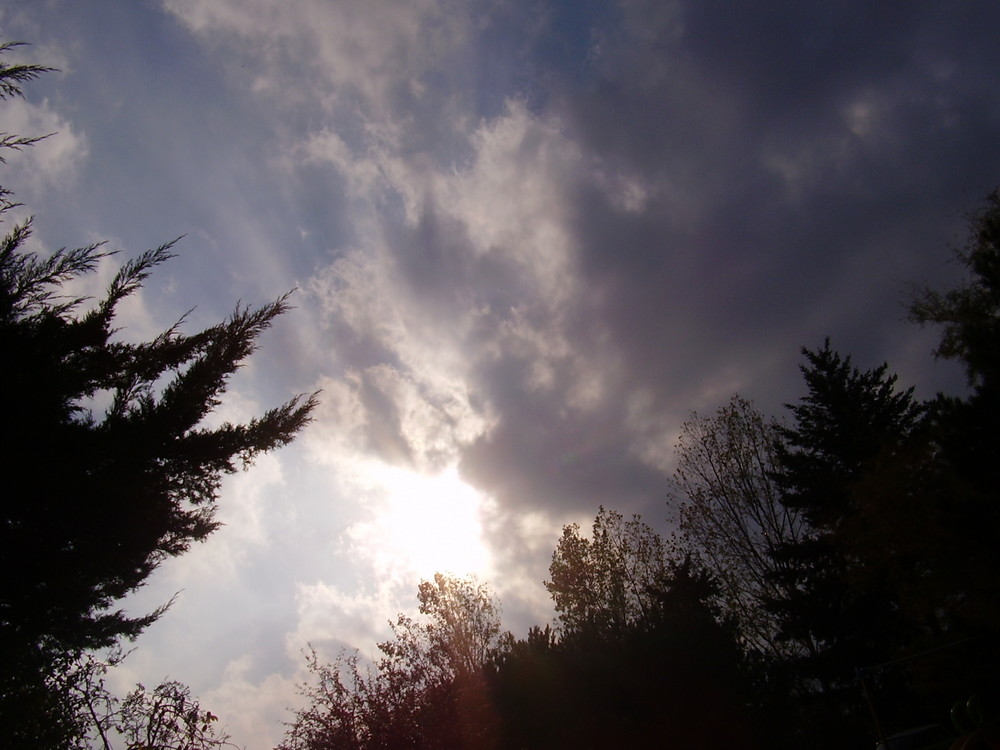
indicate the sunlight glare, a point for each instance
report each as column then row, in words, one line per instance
column 427, row 524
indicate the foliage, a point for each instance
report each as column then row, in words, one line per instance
column 730, row 512
column 673, row 671
column 98, row 500
column 838, row 602
column 960, row 478
column 135, row 485
column 39, row 705
column 605, row 584
column 969, row 315
column 628, row 673
column 165, row 718
column 465, row 620
column 847, row 421
column 428, row 690
column 966, row 439
column 73, row 709
column 12, row 76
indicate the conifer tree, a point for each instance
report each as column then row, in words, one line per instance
column 843, row 619
column 96, row 497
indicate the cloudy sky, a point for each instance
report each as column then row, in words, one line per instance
column 528, row 238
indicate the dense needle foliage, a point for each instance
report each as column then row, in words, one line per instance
column 110, row 465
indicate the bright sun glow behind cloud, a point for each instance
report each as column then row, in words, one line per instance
column 423, row 524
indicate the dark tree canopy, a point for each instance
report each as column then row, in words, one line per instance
column 966, row 434
column 606, row 584
column 110, row 465
column 667, row 673
column 109, row 496
column 642, row 657
column 963, row 551
column 428, row 689
column 849, row 423
column 730, row 511
column 969, row 315
column 848, row 420
column 897, row 575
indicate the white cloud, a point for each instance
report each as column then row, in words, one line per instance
column 249, row 708
column 52, row 163
column 331, row 620
column 372, row 52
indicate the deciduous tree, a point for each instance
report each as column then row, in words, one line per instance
column 428, row 690
column 729, row 512
column 605, row 584
column 643, row 655
column 167, row 717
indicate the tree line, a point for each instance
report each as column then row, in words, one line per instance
column 832, row 579
column 833, row 582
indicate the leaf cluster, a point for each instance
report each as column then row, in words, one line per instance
column 428, row 688
column 606, row 583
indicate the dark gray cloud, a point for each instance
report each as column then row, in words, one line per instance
column 805, row 165
column 826, row 150
column 530, row 237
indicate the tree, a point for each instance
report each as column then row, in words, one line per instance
column 643, row 655
column 730, row 512
column 834, row 600
column 605, row 584
column 164, row 718
column 100, row 496
column 962, row 468
column 89, row 716
column 428, row 690
column 136, row 485
column 847, row 421
column 11, row 79
column 465, row 620
column 967, row 441
column 969, row 315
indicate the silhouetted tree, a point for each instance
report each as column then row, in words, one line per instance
column 844, row 615
column 164, row 718
column 12, row 76
column 668, row 674
column 730, row 512
column 967, row 441
column 604, row 584
column 671, row 672
column 428, row 690
column 98, row 497
column 969, row 315
column 960, row 476
column 135, row 485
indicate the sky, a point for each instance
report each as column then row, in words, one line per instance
column 527, row 239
